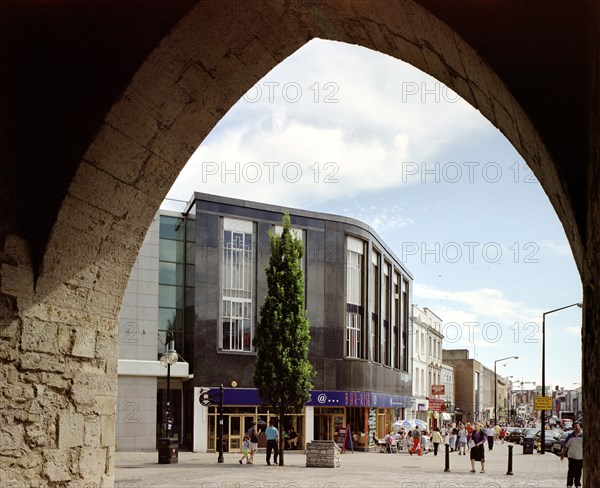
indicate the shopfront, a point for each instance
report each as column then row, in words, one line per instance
column 366, row 413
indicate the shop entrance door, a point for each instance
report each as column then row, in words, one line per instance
column 326, row 425
column 238, row 426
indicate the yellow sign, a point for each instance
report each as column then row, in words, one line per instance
column 542, row 403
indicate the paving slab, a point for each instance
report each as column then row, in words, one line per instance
column 357, row 470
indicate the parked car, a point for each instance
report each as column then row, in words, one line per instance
column 549, row 438
column 557, row 445
column 514, row 435
column 528, row 433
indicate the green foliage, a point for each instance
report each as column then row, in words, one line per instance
column 282, row 372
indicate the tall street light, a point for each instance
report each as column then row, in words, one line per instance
column 496, row 387
column 168, row 449
column 543, row 412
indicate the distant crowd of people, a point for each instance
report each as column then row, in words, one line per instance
column 470, row 438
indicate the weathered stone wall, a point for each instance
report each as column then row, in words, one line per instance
column 58, row 369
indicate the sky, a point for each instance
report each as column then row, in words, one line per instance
column 341, row 129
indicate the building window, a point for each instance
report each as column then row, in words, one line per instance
column 404, row 325
column 374, row 305
column 172, row 269
column 396, row 315
column 386, row 343
column 416, row 388
column 237, row 279
column 355, row 335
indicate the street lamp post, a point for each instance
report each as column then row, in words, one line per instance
column 496, row 387
column 166, row 451
column 543, row 412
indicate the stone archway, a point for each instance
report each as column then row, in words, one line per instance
column 63, row 329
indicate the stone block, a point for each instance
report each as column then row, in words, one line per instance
column 8, row 314
column 65, row 339
column 85, row 389
column 92, row 432
column 39, row 336
column 17, row 249
column 70, row 430
column 127, row 117
column 11, row 440
column 85, row 342
column 42, row 362
column 92, row 463
column 76, row 367
column 57, row 465
column 16, row 281
column 107, row 430
column 107, row 150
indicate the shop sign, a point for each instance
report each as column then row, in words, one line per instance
column 436, row 405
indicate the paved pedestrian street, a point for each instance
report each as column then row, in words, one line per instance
column 358, row 470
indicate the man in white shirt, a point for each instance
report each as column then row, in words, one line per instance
column 574, row 447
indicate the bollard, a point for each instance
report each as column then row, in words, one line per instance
column 447, row 470
column 510, row 449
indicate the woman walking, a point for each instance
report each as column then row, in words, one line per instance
column 436, row 438
column 477, row 443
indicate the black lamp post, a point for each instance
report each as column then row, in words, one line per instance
column 543, row 412
column 496, row 387
column 168, row 449
column 220, row 459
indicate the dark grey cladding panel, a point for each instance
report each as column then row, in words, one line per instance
column 329, row 373
column 316, row 347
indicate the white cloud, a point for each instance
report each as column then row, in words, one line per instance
column 573, row 330
column 377, row 125
column 560, row 248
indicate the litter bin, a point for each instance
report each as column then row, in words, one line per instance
column 528, row 445
column 168, row 450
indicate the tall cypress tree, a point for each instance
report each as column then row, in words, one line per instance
column 282, row 373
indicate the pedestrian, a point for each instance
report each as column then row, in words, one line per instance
column 245, row 449
column 573, row 448
column 453, row 437
column 253, row 436
column 476, row 443
column 416, row 437
column 272, row 439
column 425, row 442
column 436, row 439
column 497, row 431
column 489, row 432
column 462, row 440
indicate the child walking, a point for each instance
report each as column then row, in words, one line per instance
column 245, row 448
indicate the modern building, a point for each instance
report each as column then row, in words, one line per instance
column 200, row 275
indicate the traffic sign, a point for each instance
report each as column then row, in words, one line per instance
column 205, row 398
column 542, row 403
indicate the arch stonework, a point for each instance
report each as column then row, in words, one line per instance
column 59, row 332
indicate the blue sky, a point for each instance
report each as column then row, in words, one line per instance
column 341, row 129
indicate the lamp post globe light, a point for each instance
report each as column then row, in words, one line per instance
column 496, row 386
column 543, row 412
column 167, row 447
